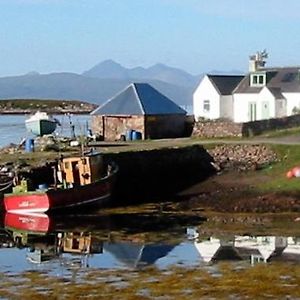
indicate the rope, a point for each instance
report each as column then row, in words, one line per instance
column 6, row 187
column 5, row 183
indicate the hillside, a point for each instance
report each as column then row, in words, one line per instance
column 100, row 83
column 78, row 87
column 160, row 72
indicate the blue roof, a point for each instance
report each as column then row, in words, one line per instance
column 139, row 99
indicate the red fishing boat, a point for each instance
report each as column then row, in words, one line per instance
column 79, row 181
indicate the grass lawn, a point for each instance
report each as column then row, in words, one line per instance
column 289, row 157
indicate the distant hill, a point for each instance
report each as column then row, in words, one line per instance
column 100, row 83
column 71, row 86
column 161, row 72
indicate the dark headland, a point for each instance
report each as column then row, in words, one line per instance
column 27, row 106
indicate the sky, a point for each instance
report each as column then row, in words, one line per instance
column 194, row 35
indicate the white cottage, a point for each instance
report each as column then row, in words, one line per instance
column 213, row 99
column 264, row 93
column 267, row 93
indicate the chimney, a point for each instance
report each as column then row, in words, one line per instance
column 257, row 61
column 252, row 64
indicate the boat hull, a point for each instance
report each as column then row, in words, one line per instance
column 36, row 223
column 97, row 193
column 40, row 127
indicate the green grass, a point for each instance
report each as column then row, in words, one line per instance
column 289, row 157
column 282, row 132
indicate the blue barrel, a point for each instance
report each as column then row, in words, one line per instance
column 136, row 135
column 129, row 134
column 29, row 145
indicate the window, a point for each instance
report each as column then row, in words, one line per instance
column 258, row 79
column 254, row 79
column 206, row 106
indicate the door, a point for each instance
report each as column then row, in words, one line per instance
column 252, row 111
column 76, row 174
column 265, row 110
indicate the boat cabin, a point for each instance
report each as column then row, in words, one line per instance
column 81, row 170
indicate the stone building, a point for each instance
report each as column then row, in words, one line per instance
column 141, row 108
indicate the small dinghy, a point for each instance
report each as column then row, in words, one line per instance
column 41, row 123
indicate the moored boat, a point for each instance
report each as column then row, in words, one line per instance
column 79, row 181
column 41, row 123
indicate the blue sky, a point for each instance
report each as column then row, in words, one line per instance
column 194, row 35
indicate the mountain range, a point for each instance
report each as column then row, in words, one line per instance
column 100, row 83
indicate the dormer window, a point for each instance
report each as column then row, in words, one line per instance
column 258, row 79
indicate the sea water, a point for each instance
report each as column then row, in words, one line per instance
column 13, row 130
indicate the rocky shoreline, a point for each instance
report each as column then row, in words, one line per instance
column 52, row 111
column 29, row 106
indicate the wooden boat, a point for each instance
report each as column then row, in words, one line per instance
column 41, row 123
column 79, row 181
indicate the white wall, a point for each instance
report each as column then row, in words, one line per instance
column 266, row 95
column 206, row 91
column 293, row 100
column 280, row 108
column 241, row 105
column 226, row 107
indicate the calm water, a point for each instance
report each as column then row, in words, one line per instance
column 12, row 127
column 58, row 245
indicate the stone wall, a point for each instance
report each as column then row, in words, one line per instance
column 224, row 128
column 217, row 128
column 259, row 127
column 115, row 126
column 242, row 157
column 152, row 127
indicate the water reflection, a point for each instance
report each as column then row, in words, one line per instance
column 251, row 248
column 59, row 245
column 118, row 241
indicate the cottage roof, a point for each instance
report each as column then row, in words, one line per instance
column 139, row 99
column 276, row 92
column 225, row 84
column 287, row 79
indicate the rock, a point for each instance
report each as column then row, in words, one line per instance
column 47, row 143
column 242, row 157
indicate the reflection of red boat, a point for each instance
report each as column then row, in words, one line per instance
column 83, row 181
column 39, row 223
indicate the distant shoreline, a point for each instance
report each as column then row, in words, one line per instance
column 57, row 107
column 52, row 112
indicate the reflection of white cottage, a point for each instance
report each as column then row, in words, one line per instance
column 207, row 249
column 262, row 247
column 292, row 250
column 254, row 249
column 216, row 249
